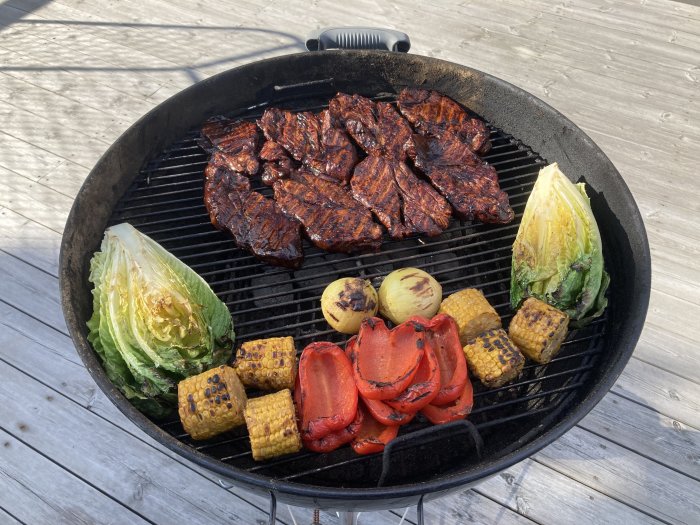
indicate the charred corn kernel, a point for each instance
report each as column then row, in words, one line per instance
column 211, row 402
column 272, row 425
column 267, row 364
column 493, row 358
column 538, row 329
column 472, row 312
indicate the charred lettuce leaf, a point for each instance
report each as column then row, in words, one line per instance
column 155, row 321
column 557, row 253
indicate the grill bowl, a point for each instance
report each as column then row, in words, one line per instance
column 523, row 124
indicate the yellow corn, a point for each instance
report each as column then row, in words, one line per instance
column 267, row 364
column 538, row 329
column 272, row 425
column 493, row 358
column 472, row 313
column 211, row 402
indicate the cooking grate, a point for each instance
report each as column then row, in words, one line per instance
column 166, row 202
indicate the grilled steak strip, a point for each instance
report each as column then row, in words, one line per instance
column 277, row 163
column 432, row 113
column 332, row 219
column 402, row 202
column 470, row 185
column 376, row 127
column 313, row 140
column 256, row 223
column 238, row 140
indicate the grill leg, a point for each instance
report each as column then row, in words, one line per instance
column 348, row 518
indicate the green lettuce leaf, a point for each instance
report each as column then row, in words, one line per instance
column 558, row 253
column 155, row 321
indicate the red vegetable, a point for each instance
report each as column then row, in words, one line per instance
column 423, row 388
column 385, row 414
column 325, row 393
column 443, row 336
column 386, row 360
column 457, row 409
column 373, row 435
column 334, row 440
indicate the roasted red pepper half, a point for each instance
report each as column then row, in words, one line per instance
column 373, row 435
column 334, row 440
column 325, row 393
column 443, row 336
column 386, row 360
column 457, row 409
column 423, row 388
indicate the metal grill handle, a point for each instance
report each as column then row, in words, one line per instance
column 358, row 38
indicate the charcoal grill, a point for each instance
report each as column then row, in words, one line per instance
column 152, row 177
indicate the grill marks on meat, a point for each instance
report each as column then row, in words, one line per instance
column 332, row 219
column 432, row 113
column 277, row 163
column 376, row 127
column 470, row 185
column 237, row 140
column 313, row 140
column 402, row 202
column 256, row 223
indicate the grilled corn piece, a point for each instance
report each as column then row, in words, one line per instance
column 211, row 402
column 538, row 329
column 272, row 425
column 267, row 364
column 472, row 312
column 493, row 358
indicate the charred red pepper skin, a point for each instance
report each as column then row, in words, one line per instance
column 457, row 409
column 443, row 336
column 385, row 414
column 399, row 351
column 373, row 436
column 324, row 368
column 334, row 440
column 423, row 388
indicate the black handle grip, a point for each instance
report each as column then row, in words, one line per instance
column 358, row 38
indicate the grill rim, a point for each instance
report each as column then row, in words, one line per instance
column 145, row 138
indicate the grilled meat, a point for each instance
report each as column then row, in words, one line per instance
column 256, row 223
column 470, row 185
column 320, row 146
column 376, row 127
column 402, row 202
column 277, row 163
column 238, row 140
column 432, row 113
column 332, row 219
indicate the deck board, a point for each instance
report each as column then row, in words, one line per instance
column 74, row 74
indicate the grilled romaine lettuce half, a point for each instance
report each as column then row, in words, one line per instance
column 557, row 253
column 155, row 321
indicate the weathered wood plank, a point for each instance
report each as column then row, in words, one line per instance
column 29, row 241
column 9, row 519
column 671, row 497
column 653, row 435
column 46, row 493
column 546, row 496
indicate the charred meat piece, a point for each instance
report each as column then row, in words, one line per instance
column 256, row 223
column 376, row 127
column 339, row 154
column 402, row 202
column 238, row 140
column 332, row 219
column 277, row 163
column 471, row 188
column 313, row 140
column 432, row 113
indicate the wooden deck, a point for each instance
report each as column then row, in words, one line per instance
column 74, row 74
